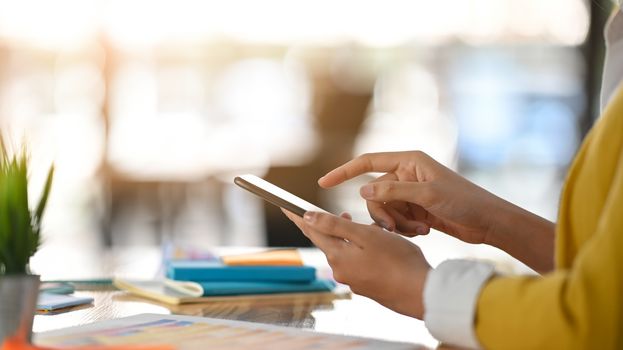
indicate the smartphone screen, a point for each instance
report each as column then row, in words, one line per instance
column 275, row 195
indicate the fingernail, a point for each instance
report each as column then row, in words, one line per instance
column 310, row 217
column 367, row 191
column 320, row 180
column 421, row 230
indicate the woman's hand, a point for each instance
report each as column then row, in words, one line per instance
column 417, row 193
column 373, row 262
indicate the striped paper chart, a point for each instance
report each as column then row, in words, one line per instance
column 189, row 333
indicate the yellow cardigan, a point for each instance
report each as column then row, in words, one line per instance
column 580, row 304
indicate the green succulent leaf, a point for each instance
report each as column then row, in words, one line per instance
column 44, row 198
column 20, row 228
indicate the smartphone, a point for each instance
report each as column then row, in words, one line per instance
column 275, row 195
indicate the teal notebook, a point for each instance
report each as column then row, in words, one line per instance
column 198, row 271
column 179, row 292
column 244, row 288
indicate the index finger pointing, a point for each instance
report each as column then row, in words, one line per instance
column 369, row 162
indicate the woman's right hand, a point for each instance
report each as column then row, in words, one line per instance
column 417, row 193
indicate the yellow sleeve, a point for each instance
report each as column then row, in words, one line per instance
column 577, row 308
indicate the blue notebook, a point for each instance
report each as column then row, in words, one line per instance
column 244, row 288
column 216, row 271
column 50, row 301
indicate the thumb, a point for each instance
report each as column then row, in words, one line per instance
column 407, row 191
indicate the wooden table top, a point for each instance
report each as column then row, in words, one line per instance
column 356, row 316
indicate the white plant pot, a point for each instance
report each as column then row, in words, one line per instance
column 18, row 300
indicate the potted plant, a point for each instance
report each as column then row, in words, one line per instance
column 20, row 232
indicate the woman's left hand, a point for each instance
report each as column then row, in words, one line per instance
column 375, row 263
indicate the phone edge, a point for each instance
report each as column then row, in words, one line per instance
column 269, row 197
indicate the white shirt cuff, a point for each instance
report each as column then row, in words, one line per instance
column 450, row 297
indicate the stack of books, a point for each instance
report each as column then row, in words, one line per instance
column 271, row 273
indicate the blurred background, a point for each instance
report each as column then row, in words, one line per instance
column 149, row 108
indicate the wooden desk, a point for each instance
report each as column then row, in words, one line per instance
column 358, row 316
